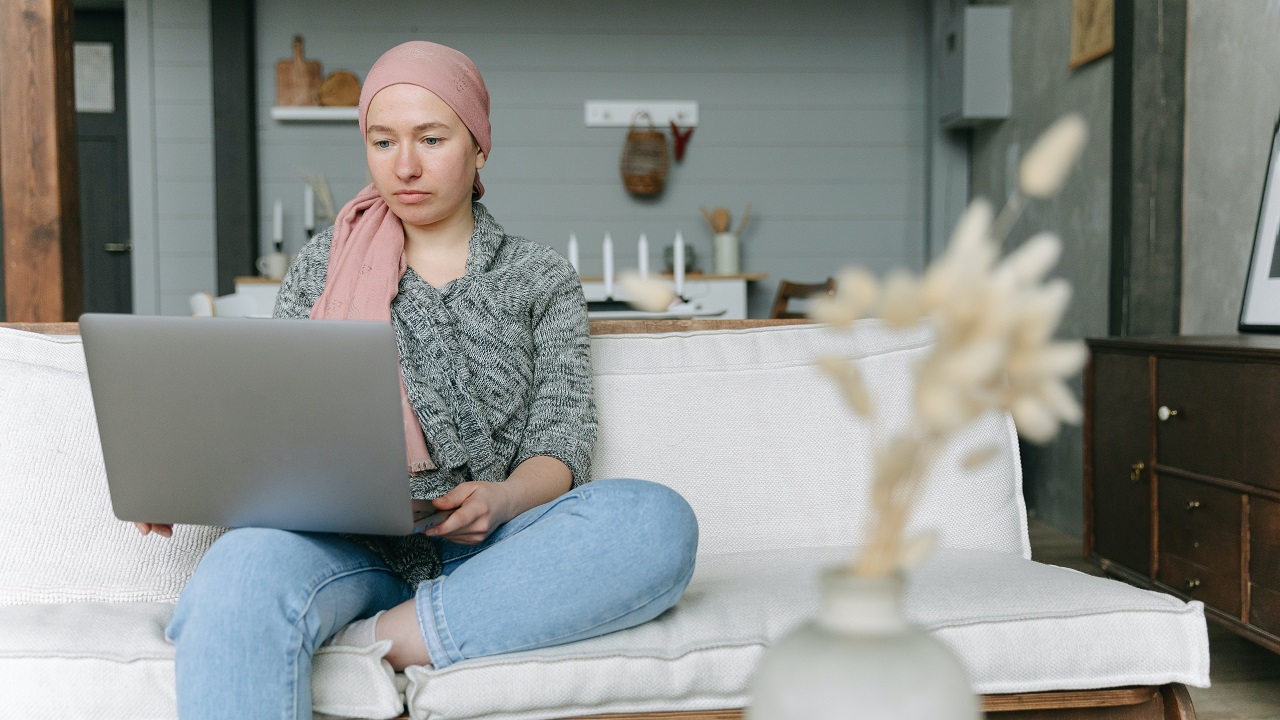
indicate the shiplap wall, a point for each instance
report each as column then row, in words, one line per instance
column 171, row 152
column 812, row 111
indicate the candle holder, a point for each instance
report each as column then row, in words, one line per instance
column 690, row 260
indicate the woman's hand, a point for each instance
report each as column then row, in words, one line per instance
column 478, row 508
column 161, row 529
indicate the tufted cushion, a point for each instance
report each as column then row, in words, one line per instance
column 1016, row 625
column 764, row 448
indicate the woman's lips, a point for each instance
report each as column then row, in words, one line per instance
column 410, row 197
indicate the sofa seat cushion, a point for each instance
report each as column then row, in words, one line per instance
column 111, row 660
column 1017, row 626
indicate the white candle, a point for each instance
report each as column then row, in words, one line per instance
column 643, row 249
column 573, row 252
column 678, row 262
column 608, row 267
column 308, row 209
column 277, row 223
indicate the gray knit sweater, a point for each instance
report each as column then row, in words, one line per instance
column 495, row 363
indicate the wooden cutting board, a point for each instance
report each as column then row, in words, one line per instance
column 298, row 79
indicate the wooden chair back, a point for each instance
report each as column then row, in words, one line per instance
column 788, row 290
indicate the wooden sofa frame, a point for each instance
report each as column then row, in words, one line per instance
column 1165, row 702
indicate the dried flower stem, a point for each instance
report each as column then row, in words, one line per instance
column 993, row 323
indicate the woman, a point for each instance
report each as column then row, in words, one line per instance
column 492, row 333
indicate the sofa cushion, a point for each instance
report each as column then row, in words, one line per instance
column 104, row 661
column 59, row 541
column 764, row 448
column 1017, row 626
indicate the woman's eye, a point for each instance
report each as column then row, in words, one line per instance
column 382, row 144
column 431, row 141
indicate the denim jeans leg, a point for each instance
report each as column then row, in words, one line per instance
column 605, row 556
column 258, row 605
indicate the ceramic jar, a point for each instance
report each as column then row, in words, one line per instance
column 860, row 658
column 726, row 254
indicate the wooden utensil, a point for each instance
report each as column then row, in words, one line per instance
column 720, row 220
column 298, row 79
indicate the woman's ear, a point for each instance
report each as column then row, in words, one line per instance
column 479, row 157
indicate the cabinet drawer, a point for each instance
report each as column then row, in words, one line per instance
column 1184, row 503
column 1211, row 588
column 1264, row 609
column 1202, row 546
column 1211, row 399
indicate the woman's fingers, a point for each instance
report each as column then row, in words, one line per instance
column 161, row 529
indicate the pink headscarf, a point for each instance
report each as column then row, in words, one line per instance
column 366, row 258
column 442, row 70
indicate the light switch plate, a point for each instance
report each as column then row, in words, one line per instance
column 619, row 113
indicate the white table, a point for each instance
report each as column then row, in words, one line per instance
column 712, row 292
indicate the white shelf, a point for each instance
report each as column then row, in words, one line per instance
column 314, row 113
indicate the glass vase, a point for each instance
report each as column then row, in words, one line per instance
column 860, row 658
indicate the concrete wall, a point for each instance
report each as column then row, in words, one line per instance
column 1043, row 89
column 812, row 111
column 171, row 152
column 1232, row 105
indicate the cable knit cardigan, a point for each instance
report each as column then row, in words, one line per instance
column 496, row 365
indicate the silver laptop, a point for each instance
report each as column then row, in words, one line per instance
column 236, row 422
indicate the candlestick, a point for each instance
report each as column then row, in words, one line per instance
column 678, row 262
column 308, row 209
column 608, row 267
column 573, row 252
column 643, row 248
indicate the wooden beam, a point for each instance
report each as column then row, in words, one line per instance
column 39, row 168
column 235, row 139
column 1148, row 110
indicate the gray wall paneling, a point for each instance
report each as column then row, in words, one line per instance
column 171, row 152
column 814, row 112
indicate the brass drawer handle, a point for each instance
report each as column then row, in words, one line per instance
column 1193, row 583
column 1192, row 505
column 1136, row 469
column 1165, row 413
column 117, row 247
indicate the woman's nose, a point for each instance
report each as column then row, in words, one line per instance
column 408, row 166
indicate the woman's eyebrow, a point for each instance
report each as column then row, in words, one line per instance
column 416, row 128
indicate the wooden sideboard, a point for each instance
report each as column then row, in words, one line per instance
column 1182, row 472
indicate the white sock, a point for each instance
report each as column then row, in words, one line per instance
column 359, row 633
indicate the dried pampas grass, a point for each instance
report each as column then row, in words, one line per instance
column 994, row 320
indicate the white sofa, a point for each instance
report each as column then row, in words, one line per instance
column 738, row 420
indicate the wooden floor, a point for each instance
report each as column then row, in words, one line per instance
column 1246, row 678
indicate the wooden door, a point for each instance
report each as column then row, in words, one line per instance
column 1121, row 459
column 102, row 135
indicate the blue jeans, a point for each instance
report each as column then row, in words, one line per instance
column 604, row 556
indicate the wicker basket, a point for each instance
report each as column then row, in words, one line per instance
column 644, row 159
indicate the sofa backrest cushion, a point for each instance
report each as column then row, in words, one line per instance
column 59, row 541
column 763, row 446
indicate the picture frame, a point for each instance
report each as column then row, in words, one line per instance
column 1092, row 31
column 1260, row 308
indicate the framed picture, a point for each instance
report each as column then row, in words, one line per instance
column 1092, row 30
column 1260, row 311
